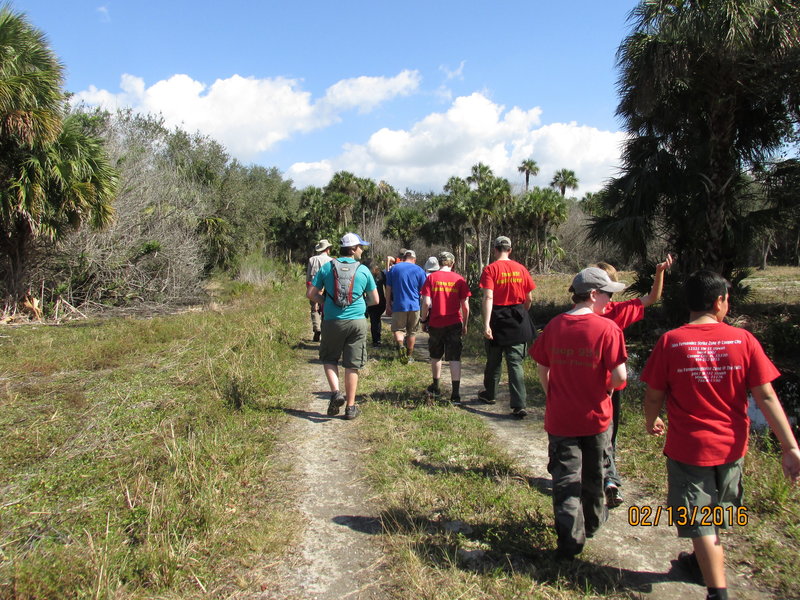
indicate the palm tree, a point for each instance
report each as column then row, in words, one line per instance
column 708, row 92
column 31, row 76
column 529, row 167
column 53, row 177
column 564, row 179
column 53, row 189
column 347, row 188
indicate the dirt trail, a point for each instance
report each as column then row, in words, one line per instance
column 339, row 554
column 643, row 556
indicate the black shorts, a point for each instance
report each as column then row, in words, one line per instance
column 445, row 341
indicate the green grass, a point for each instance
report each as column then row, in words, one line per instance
column 463, row 519
column 136, row 456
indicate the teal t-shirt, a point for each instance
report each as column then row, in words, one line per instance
column 364, row 282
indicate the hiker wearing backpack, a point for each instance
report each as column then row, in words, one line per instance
column 345, row 287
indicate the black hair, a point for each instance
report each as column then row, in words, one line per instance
column 347, row 250
column 702, row 289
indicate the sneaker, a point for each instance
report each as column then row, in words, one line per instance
column 613, row 496
column 688, row 561
column 317, row 335
column 455, row 399
column 433, row 390
column 483, row 397
column 377, row 344
column 337, row 400
column 409, row 359
column 351, row 412
column 402, row 354
column 519, row 413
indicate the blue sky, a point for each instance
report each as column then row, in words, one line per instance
column 410, row 92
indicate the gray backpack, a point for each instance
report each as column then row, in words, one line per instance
column 344, row 277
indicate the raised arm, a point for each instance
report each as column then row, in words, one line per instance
column 658, row 283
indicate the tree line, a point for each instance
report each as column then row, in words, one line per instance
column 116, row 207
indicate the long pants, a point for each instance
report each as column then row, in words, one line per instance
column 612, row 476
column 514, row 354
column 576, row 465
column 375, row 313
column 316, row 317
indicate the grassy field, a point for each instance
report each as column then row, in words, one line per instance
column 140, row 461
column 136, row 455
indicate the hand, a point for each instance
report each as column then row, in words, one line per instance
column 657, row 428
column 464, row 329
column 388, row 311
column 660, row 267
column 791, row 464
column 487, row 333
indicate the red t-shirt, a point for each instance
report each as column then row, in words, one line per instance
column 706, row 371
column 625, row 313
column 446, row 291
column 580, row 351
column 510, row 281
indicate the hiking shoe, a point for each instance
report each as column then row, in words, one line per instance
column 455, row 399
column 402, row 354
column 613, row 496
column 433, row 390
column 409, row 359
column 688, row 562
column 337, row 400
column 377, row 344
column 483, row 397
column 351, row 412
column 519, row 413
column 317, row 335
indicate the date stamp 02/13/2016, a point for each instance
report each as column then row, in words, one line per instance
column 687, row 516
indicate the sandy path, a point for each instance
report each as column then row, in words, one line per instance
column 340, row 553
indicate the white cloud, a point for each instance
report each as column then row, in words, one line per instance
column 246, row 114
column 105, row 15
column 474, row 129
column 365, row 93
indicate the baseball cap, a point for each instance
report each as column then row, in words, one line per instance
column 446, row 256
column 431, row 265
column 352, row 239
column 593, row 278
column 410, row 254
column 502, row 241
column 322, row 245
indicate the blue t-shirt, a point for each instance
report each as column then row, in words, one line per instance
column 406, row 280
column 364, row 282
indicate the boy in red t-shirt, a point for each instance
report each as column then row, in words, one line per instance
column 703, row 371
column 445, row 310
column 626, row 313
column 581, row 358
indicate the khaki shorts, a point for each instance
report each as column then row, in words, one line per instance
column 345, row 339
column 703, row 499
column 406, row 321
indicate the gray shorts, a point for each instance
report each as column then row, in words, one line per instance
column 345, row 339
column 406, row 321
column 703, row 499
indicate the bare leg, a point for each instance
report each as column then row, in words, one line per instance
column 455, row 370
column 436, row 367
column 410, row 341
column 712, row 560
column 350, row 385
column 398, row 337
column 332, row 375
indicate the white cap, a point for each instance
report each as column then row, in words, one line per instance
column 352, row 239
